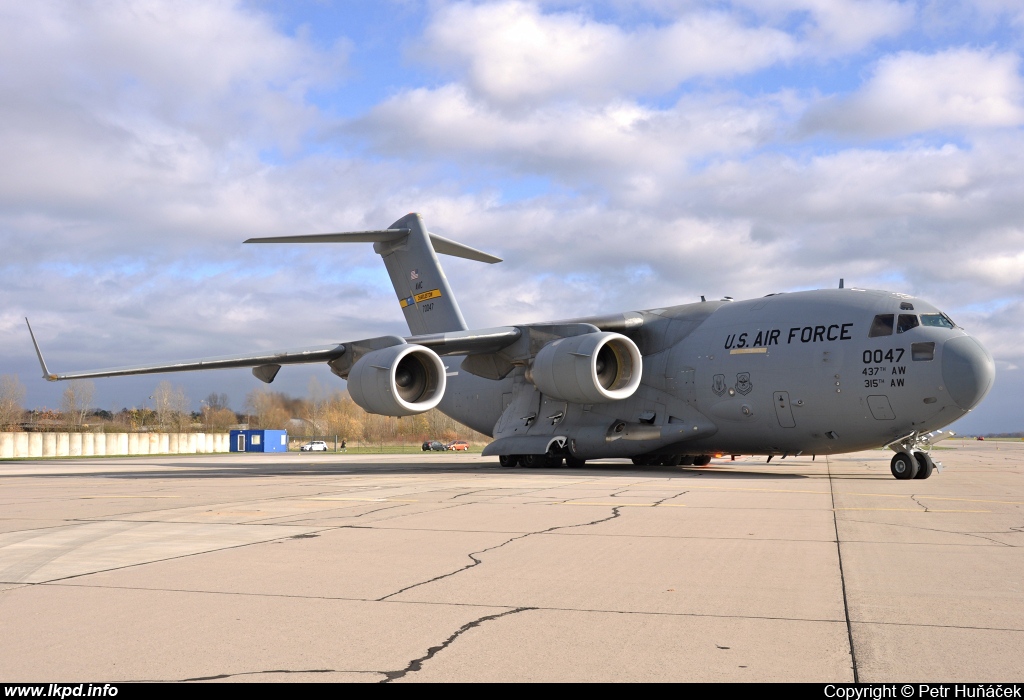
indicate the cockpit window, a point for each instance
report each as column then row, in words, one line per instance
column 882, row 325
column 906, row 306
column 936, row 321
column 906, row 322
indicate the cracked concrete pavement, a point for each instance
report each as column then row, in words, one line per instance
column 446, row 567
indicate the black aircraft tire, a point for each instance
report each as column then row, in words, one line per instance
column 924, row 465
column 552, row 460
column 673, row 460
column 903, row 466
column 575, row 462
column 532, row 461
column 686, row 460
column 702, row 461
column 508, row 461
column 639, row 460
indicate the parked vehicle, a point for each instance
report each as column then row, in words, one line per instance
column 435, row 445
column 458, row 446
column 314, row 446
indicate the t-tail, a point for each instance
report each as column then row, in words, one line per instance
column 410, row 256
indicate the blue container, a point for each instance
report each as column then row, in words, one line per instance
column 259, row 441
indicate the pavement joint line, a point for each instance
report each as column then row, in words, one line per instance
column 842, row 577
column 621, row 505
column 441, row 603
column 87, row 498
column 598, row 534
column 172, row 558
column 372, row 500
column 917, row 510
column 540, row 608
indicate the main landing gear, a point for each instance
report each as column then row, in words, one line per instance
column 549, row 460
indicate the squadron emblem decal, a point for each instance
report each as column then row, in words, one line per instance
column 743, row 384
column 718, row 386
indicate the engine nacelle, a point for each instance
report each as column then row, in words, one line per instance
column 401, row 380
column 589, row 368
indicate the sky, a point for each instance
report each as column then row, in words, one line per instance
column 617, row 155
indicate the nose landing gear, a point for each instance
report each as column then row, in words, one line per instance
column 912, row 460
column 903, row 465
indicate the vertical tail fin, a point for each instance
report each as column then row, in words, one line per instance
column 410, row 256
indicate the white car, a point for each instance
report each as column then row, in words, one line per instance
column 315, row 446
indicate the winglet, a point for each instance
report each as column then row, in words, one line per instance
column 42, row 363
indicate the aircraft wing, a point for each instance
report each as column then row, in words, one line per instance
column 266, row 364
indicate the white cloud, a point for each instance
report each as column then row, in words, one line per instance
column 836, row 27
column 513, row 52
column 911, row 93
column 132, row 118
column 623, row 146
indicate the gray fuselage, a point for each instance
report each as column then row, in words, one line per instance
column 788, row 373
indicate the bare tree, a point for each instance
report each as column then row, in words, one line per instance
column 12, row 393
column 216, row 401
column 317, row 407
column 75, row 402
column 267, row 409
column 343, row 418
column 171, row 407
column 217, row 417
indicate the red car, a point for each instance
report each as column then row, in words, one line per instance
column 458, row 446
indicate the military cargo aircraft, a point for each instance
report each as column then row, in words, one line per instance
column 813, row 372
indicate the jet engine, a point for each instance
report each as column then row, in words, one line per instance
column 590, row 368
column 401, row 380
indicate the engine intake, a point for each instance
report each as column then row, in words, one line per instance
column 401, row 380
column 589, row 368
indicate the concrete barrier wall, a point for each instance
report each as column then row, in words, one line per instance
column 22, row 445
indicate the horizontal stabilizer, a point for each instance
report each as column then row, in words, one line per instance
column 458, row 250
column 390, row 234
column 442, row 245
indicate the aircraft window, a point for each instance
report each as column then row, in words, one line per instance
column 882, row 325
column 906, row 306
column 906, row 322
column 922, row 352
column 936, row 321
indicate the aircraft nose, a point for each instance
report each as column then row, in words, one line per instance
column 967, row 370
